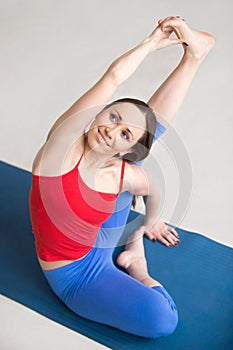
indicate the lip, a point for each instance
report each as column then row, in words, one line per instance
column 101, row 138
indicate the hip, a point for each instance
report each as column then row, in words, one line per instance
column 51, row 265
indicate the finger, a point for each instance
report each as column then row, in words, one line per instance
column 173, row 231
column 164, row 241
column 171, row 22
column 173, row 235
column 170, row 237
column 166, row 29
column 181, row 18
column 150, row 236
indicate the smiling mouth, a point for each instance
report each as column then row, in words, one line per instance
column 101, row 139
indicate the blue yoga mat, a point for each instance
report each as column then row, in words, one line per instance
column 198, row 274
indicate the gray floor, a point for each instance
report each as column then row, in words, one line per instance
column 52, row 51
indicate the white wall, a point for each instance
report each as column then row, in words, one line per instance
column 52, row 51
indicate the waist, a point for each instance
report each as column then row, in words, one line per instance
column 51, row 265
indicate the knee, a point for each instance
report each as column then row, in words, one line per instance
column 166, row 325
column 162, row 321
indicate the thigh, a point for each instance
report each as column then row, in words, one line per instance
column 112, row 297
column 112, row 229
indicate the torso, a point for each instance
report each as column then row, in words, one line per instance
column 102, row 184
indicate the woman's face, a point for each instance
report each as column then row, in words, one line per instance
column 116, row 129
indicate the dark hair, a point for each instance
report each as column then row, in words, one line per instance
column 141, row 149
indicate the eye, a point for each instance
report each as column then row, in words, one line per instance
column 125, row 135
column 114, row 118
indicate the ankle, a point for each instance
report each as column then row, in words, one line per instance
column 150, row 282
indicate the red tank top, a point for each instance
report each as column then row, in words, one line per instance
column 66, row 214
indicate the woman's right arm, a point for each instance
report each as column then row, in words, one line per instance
column 118, row 72
column 103, row 90
column 70, row 127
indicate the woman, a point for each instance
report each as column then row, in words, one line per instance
column 86, row 177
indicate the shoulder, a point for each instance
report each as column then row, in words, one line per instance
column 53, row 159
column 135, row 180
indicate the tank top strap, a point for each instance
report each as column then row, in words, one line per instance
column 122, row 176
column 77, row 165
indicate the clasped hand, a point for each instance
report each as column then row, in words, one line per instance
column 161, row 36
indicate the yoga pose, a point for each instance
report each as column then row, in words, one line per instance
column 83, row 181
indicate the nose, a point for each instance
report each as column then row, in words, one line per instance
column 112, row 131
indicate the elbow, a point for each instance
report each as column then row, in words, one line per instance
column 113, row 74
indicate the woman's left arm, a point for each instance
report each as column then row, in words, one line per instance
column 143, row 184
column 168, row 98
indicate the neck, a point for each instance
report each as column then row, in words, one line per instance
column 96, row 160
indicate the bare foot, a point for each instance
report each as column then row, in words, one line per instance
column 199, row 43
column 134, row 261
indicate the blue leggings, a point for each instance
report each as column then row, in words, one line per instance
column 96, row 289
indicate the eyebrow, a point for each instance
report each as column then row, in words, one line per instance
column 120, row 117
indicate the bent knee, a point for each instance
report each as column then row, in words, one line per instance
column 162, row 326
column 162, row 319
column 166, row 325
